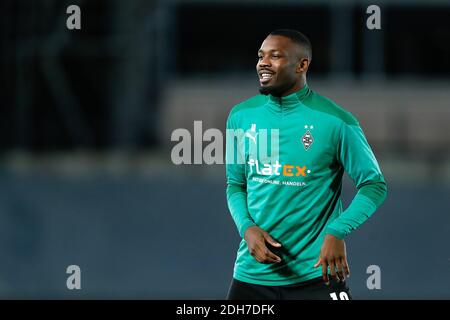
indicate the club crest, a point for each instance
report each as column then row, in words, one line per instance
column 307, row 139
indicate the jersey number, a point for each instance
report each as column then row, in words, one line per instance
column 342, row 296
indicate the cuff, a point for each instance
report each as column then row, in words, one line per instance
column 334, row 232
column 245, row 226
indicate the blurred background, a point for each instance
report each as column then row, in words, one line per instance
column 86, row 176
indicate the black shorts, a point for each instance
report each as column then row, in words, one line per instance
column 314, row 289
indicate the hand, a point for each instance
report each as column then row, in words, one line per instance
column 333, row 254
column 256, row 239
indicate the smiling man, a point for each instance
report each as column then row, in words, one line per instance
column 290, row 213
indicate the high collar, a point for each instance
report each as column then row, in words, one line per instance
column 290, row 101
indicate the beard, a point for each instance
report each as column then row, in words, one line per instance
column 276, row 90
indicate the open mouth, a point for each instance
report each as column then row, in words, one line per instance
column 265, row 76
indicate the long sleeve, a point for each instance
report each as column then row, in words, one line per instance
column 236, row 181
column 358, row 160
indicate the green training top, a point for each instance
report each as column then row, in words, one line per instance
column 293, row 193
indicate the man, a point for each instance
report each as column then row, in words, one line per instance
column 287, row 205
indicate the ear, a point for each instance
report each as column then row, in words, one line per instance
column 302, row 65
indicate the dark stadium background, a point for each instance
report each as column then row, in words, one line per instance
column 86, row 118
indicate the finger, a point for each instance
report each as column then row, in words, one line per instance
column 325, row 272
column 270, row 240
column 259, row 256
column 272, row 257
column 318, row 263
column 255, row 250
column 264, row 255
column 333, row 270
column 339, row 270
column 268, row 260
column 346, row 267
column 259, row 252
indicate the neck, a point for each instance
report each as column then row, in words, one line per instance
column 297, row 86
column 292, row 101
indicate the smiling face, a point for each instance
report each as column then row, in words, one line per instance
column 281, row 66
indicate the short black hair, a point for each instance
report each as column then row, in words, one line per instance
column 297, row 37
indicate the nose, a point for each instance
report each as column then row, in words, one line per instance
column 264, row 62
